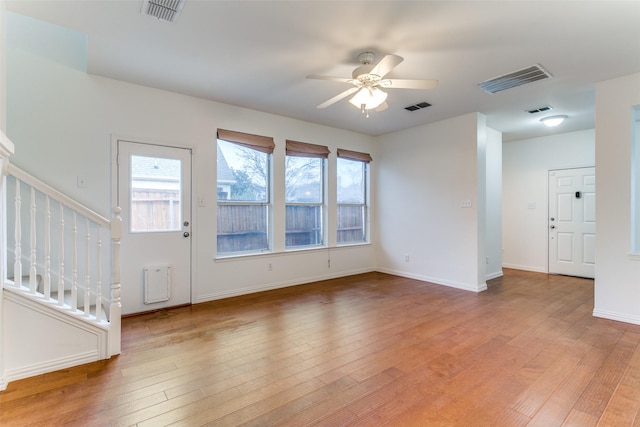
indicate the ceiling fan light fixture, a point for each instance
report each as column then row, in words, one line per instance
column 368, row 99
column 552, row 121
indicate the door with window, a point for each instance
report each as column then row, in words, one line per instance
column 572, row 221
column 154, row 192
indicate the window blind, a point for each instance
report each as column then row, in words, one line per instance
column 354, row 155
column 260, row 143
column 303, row 149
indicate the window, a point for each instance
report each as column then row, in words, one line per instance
column 304, row 194
column 243, row 192
column 352, row 197
column 155, row 194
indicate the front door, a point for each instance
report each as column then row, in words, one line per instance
column 154, row 193
column 572, row 221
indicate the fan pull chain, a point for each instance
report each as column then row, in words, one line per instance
column 364, row 110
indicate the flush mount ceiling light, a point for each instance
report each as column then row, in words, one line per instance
column 552, row 121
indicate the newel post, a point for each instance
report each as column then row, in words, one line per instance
column 6, row 150
column 115, row 309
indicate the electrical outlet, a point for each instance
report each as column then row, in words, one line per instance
column 406, row 258
column 465, row 204
column 269, row 267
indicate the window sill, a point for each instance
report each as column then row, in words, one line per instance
column 347, row 245
column 634, row 257
column 244, row 257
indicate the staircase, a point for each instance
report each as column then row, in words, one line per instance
column 60, row 270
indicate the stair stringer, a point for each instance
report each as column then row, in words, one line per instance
column 45, row 337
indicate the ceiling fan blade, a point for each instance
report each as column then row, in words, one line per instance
column 331, row 78
column 409, row 84
column 386, row 64
column 338, row 97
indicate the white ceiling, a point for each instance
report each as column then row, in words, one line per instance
column 256, row 54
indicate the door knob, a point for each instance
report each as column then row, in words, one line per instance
column 185, row 234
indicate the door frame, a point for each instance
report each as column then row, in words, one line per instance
column 115, row 189
column 546, row 221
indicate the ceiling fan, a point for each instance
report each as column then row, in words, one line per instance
column 367, row 80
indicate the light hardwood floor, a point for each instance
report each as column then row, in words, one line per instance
column 365, row 350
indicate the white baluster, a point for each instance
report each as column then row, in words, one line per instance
column 99, row 274
column 33, row 272
column 87, row 277
column 17, row 266
column 61, row 254
column 47, row 249
column 74, row 274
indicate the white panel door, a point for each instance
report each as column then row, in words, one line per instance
column 154, row 192
column 572, row 221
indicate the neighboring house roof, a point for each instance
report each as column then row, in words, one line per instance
column 225, row 174
column 155, row 168
column 146, row 170
column 155, row 173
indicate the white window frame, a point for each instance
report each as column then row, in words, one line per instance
column 267, row 204
column 365, row 207
column 322, row 205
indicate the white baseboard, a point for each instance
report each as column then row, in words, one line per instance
column 438, row 281
column 276, row 285
column 620, row 317
column 51, row 366
column 525, row 267
column 494, row 275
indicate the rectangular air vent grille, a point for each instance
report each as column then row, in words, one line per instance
column 417, row 106
column 164, row 10
column 540, row 110
column 517, row 78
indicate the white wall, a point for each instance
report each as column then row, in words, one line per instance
column 62, row 121
column 524, row 199
column 635, row 176
column 493, row 231
column 54, row 340
column 617, row 282
column 424, row 174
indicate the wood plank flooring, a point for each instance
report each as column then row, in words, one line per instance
column 365, row 350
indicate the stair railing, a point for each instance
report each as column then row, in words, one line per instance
column 71, row 267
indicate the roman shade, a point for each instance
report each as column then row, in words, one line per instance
column 260, row 143
column 354, row 155
column 303, row 149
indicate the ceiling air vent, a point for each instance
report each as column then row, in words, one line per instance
column 164, row 10
column 540, row 109
column 517, row 78
column 417, row 106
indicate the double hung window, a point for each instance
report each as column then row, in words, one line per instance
column 352, row 197
column 243, row 192
column 304, row 194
